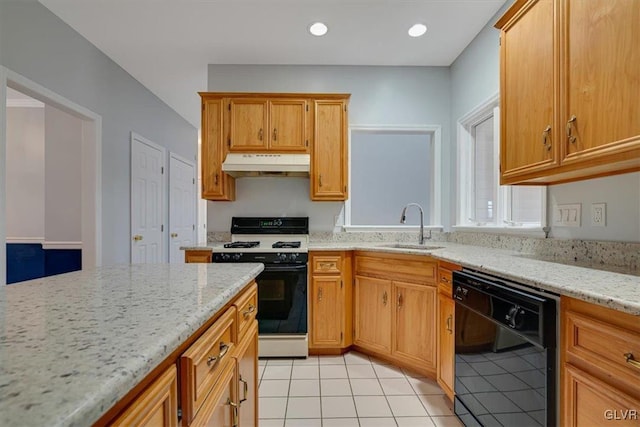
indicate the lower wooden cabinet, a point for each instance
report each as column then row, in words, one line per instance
column 247, row 365
column 600, row 375
column 372, row 314
column 446, row 328
column 395, row 300
column 157, row 406
column 193, row 255
column 414, row 331
column 446, row 344
column 220, row 409
column 330, row 301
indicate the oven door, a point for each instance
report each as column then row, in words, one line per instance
column 501, row 378
column 282, row 299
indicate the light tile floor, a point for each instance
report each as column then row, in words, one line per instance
column 352, row 390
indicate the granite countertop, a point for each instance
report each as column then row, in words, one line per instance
column 618, row 288
column 73, row 345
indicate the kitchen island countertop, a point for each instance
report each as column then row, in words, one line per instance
column 73, row 345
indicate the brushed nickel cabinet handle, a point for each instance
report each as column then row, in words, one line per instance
column 631, row 360
column 320, row 180
column 260, row 134
column 213, row 360
column 275, row 134
column 215, row 181
column 572, row 139
column 384, row 298
column 449, row 321
column 327, row 265
column 443, row 279
column 319, row 294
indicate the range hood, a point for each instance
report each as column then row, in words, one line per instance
column 266, row 164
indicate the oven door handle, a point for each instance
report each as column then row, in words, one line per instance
column 296, row 267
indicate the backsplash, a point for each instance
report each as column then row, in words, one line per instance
column 578, row 252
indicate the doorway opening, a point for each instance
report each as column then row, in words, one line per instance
column 72, row 195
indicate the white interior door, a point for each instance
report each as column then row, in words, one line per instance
column 182, row 206
column 147, row 189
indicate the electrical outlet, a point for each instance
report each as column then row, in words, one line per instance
column 599, row 214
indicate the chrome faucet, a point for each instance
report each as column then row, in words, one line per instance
column 403, row 219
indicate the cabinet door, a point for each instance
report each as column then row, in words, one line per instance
column 529, row 139
column 373, row 302
column 446, row 343
column 248, row 378
column 248, row 125
column 602, row 78
column 157, row 406
column 220, row 409
column 216, row 185
column 327, row 311
column 414, row 332
column 329, row 164
column 288, row 130
column 587, row 401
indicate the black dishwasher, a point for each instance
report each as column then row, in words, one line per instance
column 505, row 352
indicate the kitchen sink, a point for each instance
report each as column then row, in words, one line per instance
column 415, row 246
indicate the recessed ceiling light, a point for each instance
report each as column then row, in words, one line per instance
column 318, row 29
column 417, row 30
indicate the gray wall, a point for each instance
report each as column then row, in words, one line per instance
column 379, row 95
column 63, row 180
column 25, row 173
column 475, row 77
column 38, row 45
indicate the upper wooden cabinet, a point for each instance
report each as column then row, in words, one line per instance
column 329, row 156
column 275, row 123
column 569, row 88
column 216, row 185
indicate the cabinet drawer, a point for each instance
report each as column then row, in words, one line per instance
column 197, row 256
column 247, row 306
column 328, row 264
column 201, row 365
column 445, row 280
column 605, row 346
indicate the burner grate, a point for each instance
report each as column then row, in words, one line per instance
column 278, row 245
column 242, row 245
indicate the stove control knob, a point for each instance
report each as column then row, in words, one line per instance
column 236, row 257
column 282, row 257
column 225, row 257
column 460, row 293
column 293, row 256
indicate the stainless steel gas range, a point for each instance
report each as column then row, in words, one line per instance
column 281, row 244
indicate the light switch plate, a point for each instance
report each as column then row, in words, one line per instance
column 567, row 215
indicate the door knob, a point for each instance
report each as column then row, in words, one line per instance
column 174, row 235
column 137, row 237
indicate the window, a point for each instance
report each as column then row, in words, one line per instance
column 483, row 202
column 391, row 167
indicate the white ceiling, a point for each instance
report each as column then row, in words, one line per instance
column 167, row 44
